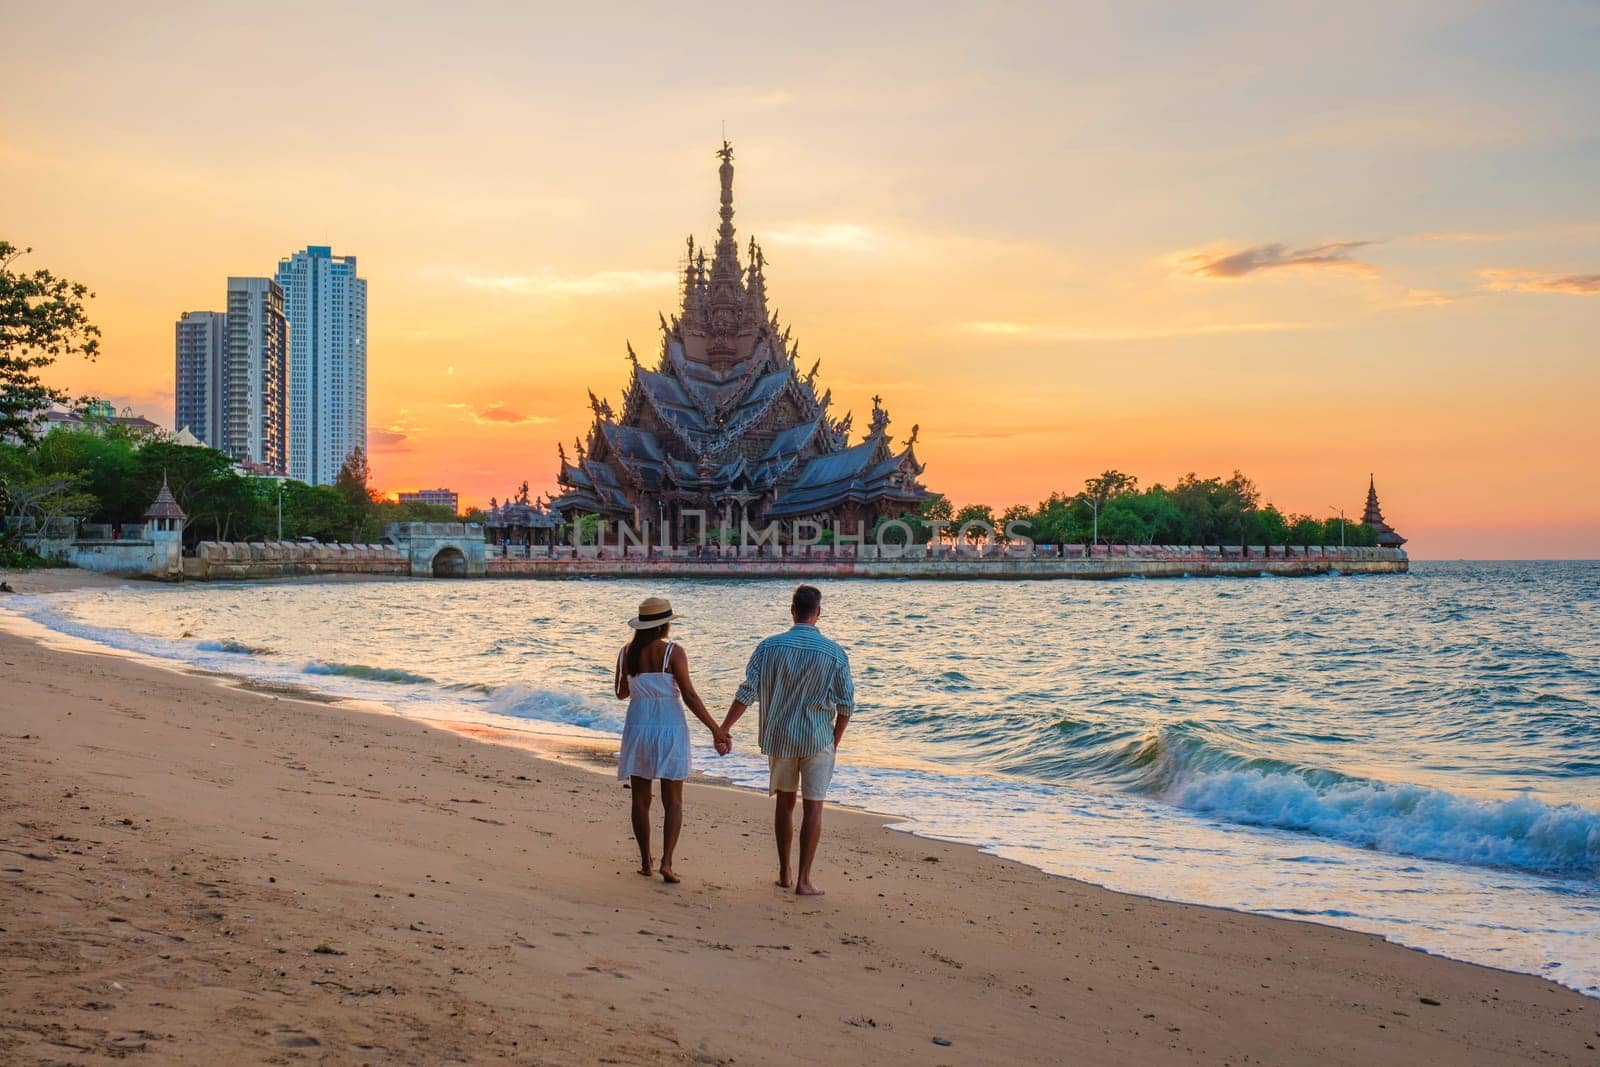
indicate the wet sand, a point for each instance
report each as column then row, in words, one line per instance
column 197, row 873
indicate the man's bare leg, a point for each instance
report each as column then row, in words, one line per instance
column 810, row 835
column 783, row 830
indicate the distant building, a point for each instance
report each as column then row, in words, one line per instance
column 443, row 498
column 522, row 522
column 98, row 417
column 201, row 344
column 1373, row 518
column 326, row 304
column 255, row 426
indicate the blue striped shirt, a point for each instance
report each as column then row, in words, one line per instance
column 802, row 681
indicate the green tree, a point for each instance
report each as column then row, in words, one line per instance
column 1269, row 527
column 936, row 507
column 42, row 319
column 1019, row 513
column 1110, row 485
column 1304, row 531
column 108, row 463
column 974, row 513
column 203, row 482
column 1122, row 522
column 35, row 501
column 1055, row 521
column 353, row 483
column 585, row 529
column 316, row 511
column 1163, row 521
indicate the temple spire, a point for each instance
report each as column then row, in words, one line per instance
column 726, row 246
column 725, row 290
column 1388, row 537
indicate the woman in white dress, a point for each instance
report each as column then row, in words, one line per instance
column 652, row 676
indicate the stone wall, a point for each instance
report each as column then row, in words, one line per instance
column 145, row 558
column 232, row 560
column 1214, row 562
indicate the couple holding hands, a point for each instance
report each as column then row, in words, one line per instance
column 798, row 678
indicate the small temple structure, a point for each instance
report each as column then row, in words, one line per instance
column 725, row 423
column 520, row 522
column 1373, row 518
column 164, row 515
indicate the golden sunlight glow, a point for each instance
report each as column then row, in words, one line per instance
column 1068, row 242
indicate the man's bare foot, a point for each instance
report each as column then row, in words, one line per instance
column 782, row 881
column 667, row 876
column 646, row 869
column 806, row 889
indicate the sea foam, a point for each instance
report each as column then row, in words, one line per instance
column 1523, row 833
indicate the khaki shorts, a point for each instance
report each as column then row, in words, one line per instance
column 809, row 775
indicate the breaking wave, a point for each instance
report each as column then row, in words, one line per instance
column 1521, row 833
column 392, row 675
column 236, row 648
column 554, row 705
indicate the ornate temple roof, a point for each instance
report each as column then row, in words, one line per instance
column 521, row 513
column 165, row 505
column 725, row 412
column 1373, row 517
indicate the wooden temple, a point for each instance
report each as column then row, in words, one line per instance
column 1388, row 537
column 725, row 424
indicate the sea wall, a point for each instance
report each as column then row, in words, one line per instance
column 233, row 561
column 137, row 558
column 424, row 556
column 976, row 564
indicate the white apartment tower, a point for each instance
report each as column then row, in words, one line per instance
column 326, row 304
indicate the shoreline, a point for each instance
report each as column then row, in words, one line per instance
column 917, row 938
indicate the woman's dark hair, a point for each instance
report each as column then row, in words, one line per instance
column 641, row 641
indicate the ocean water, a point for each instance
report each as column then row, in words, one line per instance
column 1415, row 756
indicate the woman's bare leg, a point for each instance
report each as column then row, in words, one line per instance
column 641, row 821
column 672, row 800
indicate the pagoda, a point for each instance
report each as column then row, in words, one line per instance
column 1373, row 518
column 726, row 425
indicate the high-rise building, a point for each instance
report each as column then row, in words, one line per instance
column 202, row 344
column 255, row 380
column 327, row 307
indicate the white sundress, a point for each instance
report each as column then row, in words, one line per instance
column 655, row 738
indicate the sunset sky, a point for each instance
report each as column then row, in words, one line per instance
column 1308, row 243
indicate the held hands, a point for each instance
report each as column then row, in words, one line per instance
column 722, row 739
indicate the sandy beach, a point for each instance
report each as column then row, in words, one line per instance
column 195, row 873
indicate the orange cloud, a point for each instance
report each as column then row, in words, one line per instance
column 501, row 413
column 386, row 441
column 1426, row 298
column 1532, row 281
column 1332, row 256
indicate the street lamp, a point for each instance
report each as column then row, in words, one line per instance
column 1094, row 506
column 280, row 511
column 1341, row 523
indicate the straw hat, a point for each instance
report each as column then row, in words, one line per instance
column 653, row 612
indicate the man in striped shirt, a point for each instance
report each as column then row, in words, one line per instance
column 802, row 682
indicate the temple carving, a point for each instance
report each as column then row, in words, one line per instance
column 1388, row 537
column 727, row 425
